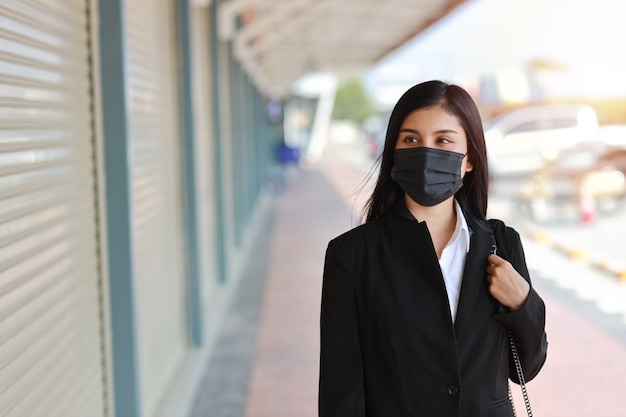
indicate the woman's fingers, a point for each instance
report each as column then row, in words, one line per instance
column 505, row 284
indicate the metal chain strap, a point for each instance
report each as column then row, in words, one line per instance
column 511, row 400
column 520, row 377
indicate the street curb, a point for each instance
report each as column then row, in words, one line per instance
column 577, row 253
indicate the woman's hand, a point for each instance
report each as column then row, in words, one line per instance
column 505, row 284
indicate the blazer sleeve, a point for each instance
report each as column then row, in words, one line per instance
column 341, row 368
column 528, row 323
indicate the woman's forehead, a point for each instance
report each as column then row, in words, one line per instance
column 431, row 117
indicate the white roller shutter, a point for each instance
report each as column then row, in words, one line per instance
column 205, row 154
column 51, row 354
column 156, row 194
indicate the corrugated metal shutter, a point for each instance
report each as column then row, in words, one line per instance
column 157, row 199
column 51, row 354
column 207, row 191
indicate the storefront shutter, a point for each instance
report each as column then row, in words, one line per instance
column 156, row 195
column 205, row 155
column 51, row 343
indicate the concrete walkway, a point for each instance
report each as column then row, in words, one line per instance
column 266, row 361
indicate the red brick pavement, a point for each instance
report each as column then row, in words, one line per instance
column 285, row 370
column 584, row 375
column 584, row 372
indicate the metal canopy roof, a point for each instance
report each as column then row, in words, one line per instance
column 278, row 41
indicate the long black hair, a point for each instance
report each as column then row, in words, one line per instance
column 473, row 195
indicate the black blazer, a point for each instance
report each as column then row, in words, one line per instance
column 389, row 346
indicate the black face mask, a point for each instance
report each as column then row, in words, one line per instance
column 428, row 175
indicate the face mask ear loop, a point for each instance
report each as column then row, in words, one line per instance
column 464, row 155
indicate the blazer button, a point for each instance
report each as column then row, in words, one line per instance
column 453, row 390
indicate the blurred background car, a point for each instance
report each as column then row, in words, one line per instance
column 613, row 140
column 522, row 141
column 579, row 182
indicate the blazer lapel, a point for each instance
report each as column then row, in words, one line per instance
column 412, row 243
column 474, row 275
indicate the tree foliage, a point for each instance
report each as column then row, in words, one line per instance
column 352, row 102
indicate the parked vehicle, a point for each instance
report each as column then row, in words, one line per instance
column 613, row 139
column 578, row 180
column 524, row 140
column 616, row 158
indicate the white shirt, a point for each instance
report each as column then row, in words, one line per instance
column 452, row 261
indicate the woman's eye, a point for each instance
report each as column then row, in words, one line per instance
column 444, row 140
column 410, row 139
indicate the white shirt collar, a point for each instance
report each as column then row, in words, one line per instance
column 453, row 257
column 461, row 229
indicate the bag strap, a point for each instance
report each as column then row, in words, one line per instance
column 520, row 377
column 497, row 230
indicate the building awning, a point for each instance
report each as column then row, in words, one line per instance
column 278, row 41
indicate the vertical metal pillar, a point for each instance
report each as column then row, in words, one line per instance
column 118, row 174
column 218, row 137
column 194, row 297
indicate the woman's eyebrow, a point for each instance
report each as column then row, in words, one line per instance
column 437, row 131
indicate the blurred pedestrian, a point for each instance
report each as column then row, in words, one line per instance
column 415, row 305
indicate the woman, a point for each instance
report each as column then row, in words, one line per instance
column 415, row 306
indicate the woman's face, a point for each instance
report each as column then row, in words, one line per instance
column 433, row 127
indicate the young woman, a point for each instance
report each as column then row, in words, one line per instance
column 415, row 305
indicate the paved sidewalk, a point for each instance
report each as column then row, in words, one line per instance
column 266, row 362
column 280, row 338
